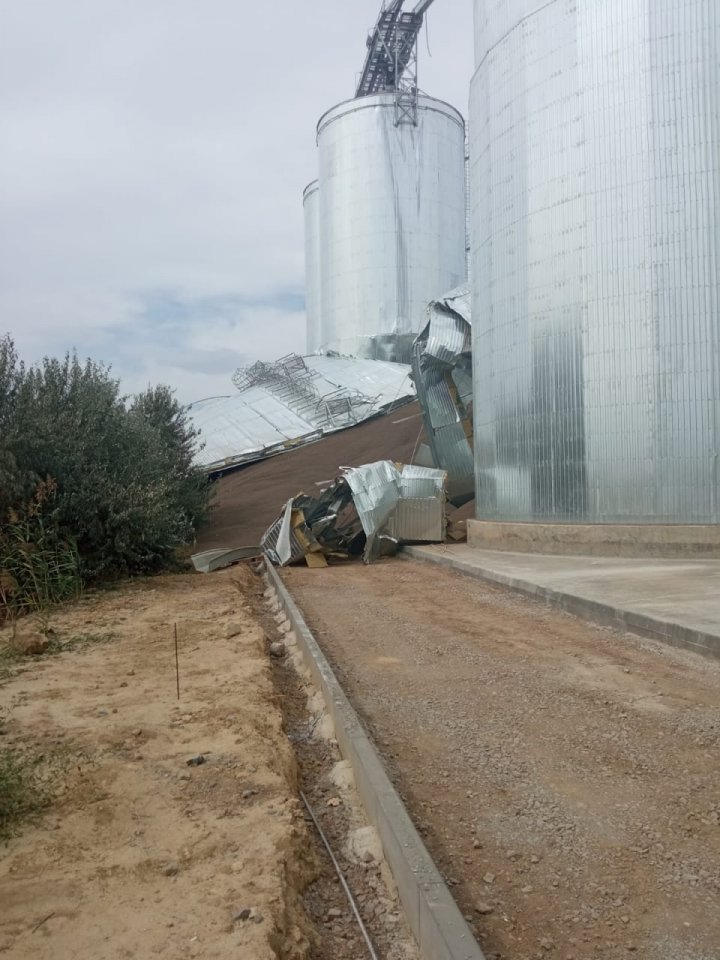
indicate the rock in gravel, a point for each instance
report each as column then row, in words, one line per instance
column 484, row 908
column 232, row 629
column 277, row 649
column 489, row 877
column 334, row 914
column 243, row 914
column 476, row 844
column 170, row 869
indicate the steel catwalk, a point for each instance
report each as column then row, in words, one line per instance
column 392, row 215
column 311, row 210
column 595, row 217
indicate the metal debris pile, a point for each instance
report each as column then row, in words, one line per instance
column 368, row 511
column 442, row 371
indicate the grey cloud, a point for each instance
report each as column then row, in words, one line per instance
column 164, row 146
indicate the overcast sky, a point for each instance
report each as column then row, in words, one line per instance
column 152, row 159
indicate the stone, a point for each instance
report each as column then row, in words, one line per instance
column 232, row 629
column 31, row 646
column 364, row 846
column 489, row 877
column 341, row 775
column 476, row 844
column 170, row 869
column 484, row 908
column 243, row 914
column 277, row 649
column 334, row 914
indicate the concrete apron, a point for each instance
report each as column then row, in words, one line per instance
column 432, row 914
column 668, row 631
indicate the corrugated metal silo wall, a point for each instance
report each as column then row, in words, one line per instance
column 311, row 210
column 595, row 195
column 392, row 221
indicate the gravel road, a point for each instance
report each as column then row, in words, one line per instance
column 564, row 775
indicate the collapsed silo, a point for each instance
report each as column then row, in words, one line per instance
column 392, row 221
column 311, row 210
column 595, row 212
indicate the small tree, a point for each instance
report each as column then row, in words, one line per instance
column 125, row 488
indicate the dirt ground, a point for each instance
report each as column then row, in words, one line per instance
column 565, row 776
column 143, row 855
column 248, row 500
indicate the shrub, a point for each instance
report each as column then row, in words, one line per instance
column 125, row 493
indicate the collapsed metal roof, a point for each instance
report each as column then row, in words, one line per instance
column 292, row 401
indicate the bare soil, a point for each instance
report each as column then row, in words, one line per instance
column 565, row 776
column 247, row 500
column 141, row 854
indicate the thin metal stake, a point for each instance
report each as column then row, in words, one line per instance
column 177, row 665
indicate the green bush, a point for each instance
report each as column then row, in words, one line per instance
column 125, row 494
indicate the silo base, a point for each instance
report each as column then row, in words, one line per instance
column 597, row 539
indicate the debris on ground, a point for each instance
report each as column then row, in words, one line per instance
column 247, row 500
column 368, row 511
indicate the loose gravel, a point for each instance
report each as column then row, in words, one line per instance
column 564, row 775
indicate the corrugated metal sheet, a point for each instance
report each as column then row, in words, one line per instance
column 443, row 379
column 379, row 489
column 595, row 175
column 302, row 402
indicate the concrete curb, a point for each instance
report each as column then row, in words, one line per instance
column 666, row 631
column 433, row 915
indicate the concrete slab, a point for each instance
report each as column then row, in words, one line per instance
column 676, row 601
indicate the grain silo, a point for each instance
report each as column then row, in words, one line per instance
column 392, row 220
column 595, row 211
column 311, row 209
column 392, row 201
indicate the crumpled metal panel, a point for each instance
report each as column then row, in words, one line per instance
column 405, row 504
column 369, row 509
column 595, row 211
column 311, row 212
column 442, row 374
column 255, row 422
column 392, row 221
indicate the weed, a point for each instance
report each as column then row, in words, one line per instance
column 24, row 788
column 56, row 645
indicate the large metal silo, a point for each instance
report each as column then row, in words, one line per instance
column 392, row 221
column 311, row 209
column 595, row 212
